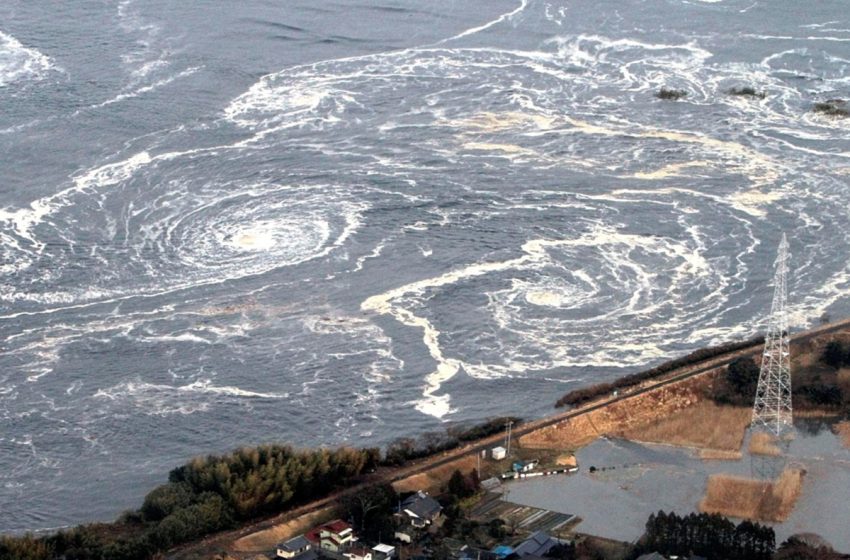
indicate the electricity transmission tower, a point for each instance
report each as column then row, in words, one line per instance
column 772, row 407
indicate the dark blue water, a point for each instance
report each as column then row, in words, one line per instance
column 324, row 223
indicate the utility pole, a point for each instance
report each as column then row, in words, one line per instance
column 772, row 407
column 508, row 425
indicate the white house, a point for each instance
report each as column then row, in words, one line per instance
column 298, row 547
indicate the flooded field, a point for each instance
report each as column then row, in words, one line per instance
column 620, row 483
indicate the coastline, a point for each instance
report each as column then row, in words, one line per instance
column 670, row 391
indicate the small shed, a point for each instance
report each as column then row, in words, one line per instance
column 498, row 453
column 383, row 551
column 491, row 483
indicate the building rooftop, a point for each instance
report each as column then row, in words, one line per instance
column 294, row 544
column 538, row 544
column 337, row 526
column 503, row 550
column 422, row 505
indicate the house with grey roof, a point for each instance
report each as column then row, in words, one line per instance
column 538, row 544
column 420, row 509
column 298, row 547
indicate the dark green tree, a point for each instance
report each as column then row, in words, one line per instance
column 742, row 374
column 834, row 354
column 370, row 511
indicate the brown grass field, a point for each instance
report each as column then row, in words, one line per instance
column 433, row 480
column 704, row 424
column 719, row 455
column 753, row 499
column 762, row 443
column 263, row 541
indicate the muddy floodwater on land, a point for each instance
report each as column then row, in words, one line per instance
column 633, row 480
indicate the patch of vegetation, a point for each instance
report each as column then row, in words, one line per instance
column 832, row 108
column 463, row 486
column 815, row 386
column 796, row 548
column 835, row 354
column 370, row 511
column 739, row 383
column 746, row 91
column 671, row 94
column 586, row 394
column 709, row 535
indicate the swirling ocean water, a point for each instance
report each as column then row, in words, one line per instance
column 344, row 222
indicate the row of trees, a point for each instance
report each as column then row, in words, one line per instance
column 581, row 396
column 709, row 535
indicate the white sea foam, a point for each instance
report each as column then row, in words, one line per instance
column 642, row 298
column 237, row 231
column 141, row 90
column 502, row 18
column 163, row 400
column 19, row 63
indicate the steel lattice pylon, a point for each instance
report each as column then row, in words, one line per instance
column 772, row 408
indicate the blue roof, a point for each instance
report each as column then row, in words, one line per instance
column 503, row 550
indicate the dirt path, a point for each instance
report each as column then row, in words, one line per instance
column 223, row 541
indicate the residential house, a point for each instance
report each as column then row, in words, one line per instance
column 333, row 536
column 298, row 547
column 420, row 509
